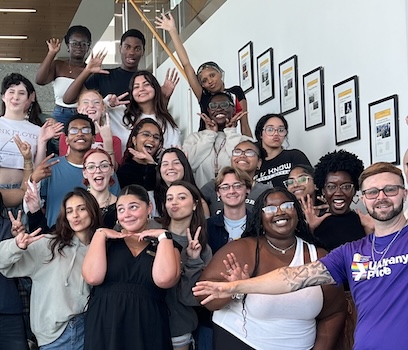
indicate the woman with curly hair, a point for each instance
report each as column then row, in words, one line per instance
column 59, row 293
column 276, row 236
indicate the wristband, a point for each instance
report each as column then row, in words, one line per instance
column 166, row 234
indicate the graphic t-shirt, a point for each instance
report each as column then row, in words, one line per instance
column 378, row 285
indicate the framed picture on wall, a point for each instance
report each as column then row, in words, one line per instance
column 384, row 130
column 313, row 96
column 346, row 111
column 266, row 79
column 246, row 67
column 288, row 85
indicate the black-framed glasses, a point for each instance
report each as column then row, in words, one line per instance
column 103, row 167
column 213, row 106
column 81, row 44
column 301, row 180
column 389, row 191
column 345, row 188
column 225, row 188
column 270, row 131
column 148, row 134
column 273, row 209
column 84, row 130
column 248, row 152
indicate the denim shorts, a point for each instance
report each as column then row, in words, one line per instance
column 72, row 338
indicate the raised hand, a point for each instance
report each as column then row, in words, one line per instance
column 23, row 240
column 194, row 246
column 165, row 22
column 24, row 148
column 95, row 63
column 43, row 170
column 54, row 45
column 209, row 123
column 114, row 101
column 143, row 156
column 233, row 268
column 112, row 234
column 17, row 226
column 170, row 82
column 214, row 290
column 310, row 213
column 233, row 122
column 105, row 130
column 32, row 198
column 51, row 129
column 366, row 221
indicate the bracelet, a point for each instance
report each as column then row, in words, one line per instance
column 237, row 296
column 166, row 234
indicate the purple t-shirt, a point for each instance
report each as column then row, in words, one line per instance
column 379, row 288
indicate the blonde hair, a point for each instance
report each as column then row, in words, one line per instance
column 97, row 93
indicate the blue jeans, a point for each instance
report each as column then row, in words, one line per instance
column 12, row 332
column 63, row 114
column 72, row 338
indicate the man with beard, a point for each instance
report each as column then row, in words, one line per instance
column 374, row 266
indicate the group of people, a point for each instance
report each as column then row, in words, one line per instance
column 135, row 239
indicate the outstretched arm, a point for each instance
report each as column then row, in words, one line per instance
column 166, row 22
column 279, row 281
column 47, row 71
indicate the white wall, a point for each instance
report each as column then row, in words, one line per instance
column 367, row 38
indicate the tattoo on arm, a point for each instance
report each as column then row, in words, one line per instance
column 312, row 274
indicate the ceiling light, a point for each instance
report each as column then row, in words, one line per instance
column 10, row 58
column 13, row 37
column 146, row 10
column 19, row 10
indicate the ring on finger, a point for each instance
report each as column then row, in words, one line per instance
column 229, row 270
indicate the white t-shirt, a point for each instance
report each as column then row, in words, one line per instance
column 10, row 156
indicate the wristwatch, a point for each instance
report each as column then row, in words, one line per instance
column 165, row 234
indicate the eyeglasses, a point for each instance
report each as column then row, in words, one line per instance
column 213, row 106
column 148, row 134
column 81, row 44
column 84, row 130
column 270, row 131
column 301, row 180
column 103, row 167
column 225, row 188
column 332, row 188
column 273, row 209
column 248, row 152
column 389, row 191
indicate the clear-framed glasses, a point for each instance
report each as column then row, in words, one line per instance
column 301, row 180
column 389, row 191
column 270, row 131
column 213, row 106
column 273, row 209
column 103, row 167
column 84, row 130
column 148, row 134
column 248, row 152
column 225, row 188
column 91, row 102
column 81, row 44
column 332, row 188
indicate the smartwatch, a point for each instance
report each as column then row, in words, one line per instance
column 165, row 234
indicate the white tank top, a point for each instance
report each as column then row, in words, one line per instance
column 60, row 85
column 285, row 321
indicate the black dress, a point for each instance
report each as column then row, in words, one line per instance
column 127, row 311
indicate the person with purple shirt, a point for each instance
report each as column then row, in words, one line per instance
column 374, row 267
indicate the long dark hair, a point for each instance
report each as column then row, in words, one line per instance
column 127, row 155
column 63, row 233
column 198, row 218
column 133, row 110
column 161, row 186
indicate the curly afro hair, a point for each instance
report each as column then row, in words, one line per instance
column 338, row 161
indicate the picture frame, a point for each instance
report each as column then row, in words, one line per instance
column 246, row 67
column 266, row 78
column 346, row 110
column 288, row 85
column 384, row 130
column 313, row 98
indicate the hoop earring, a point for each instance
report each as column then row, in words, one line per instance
column 355, row 201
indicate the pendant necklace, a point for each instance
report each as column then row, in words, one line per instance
column 104, row 209
column 283, row 251
column 383, row 252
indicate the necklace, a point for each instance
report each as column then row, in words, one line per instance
column 105, row 207
column 383, row 252
column 283, row 251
